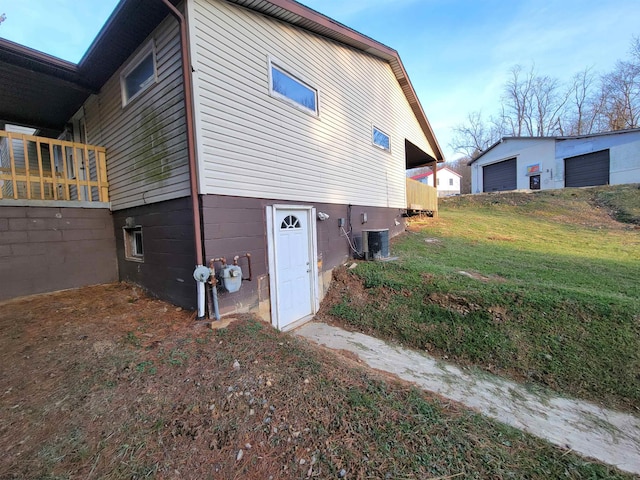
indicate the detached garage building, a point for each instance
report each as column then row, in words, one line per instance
column 534, row 163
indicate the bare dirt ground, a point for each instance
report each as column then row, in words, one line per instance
column 106, row 383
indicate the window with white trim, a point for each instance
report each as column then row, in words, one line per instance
column 381, row 139
column 139, row 74
column 290, row 88
column 133, row 246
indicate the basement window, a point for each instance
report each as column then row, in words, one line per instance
column 139, row 74
column 133, row 246
column 381, row 139
column 290, row 88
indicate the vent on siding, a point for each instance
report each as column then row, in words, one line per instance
column 375, row 244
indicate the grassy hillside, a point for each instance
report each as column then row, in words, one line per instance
column 540, row 287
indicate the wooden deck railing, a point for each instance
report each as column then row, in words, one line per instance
column 39, row 168
column 421, row 198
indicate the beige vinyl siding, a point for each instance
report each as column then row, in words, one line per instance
column 145, row 140
column 252, row 144
column 18, row 148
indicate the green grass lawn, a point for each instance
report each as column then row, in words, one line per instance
column 553, row 296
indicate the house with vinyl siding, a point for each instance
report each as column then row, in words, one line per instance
column 256, row 130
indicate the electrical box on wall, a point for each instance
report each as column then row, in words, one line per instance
column 341, row 222
column 364, row 217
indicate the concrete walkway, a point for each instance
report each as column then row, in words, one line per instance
column 608, row 436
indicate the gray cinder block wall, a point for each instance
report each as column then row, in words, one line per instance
column 46, row 249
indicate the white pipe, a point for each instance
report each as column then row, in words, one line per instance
column 201, row 302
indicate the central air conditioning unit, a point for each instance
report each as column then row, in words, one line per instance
column 375, row 244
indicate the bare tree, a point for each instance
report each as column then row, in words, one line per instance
column 474, row 136
column 621, row 94
column 550, row 103
column 516, row 102
column 585, row 105
column 533, row 105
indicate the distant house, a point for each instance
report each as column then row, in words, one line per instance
column 539, row 163
column 200, row 130
column 448, row 181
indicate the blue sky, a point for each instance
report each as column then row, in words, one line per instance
column 457, row 52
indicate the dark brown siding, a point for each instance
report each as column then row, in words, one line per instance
column 169, row 257
column 45, row 249
column 237, row 225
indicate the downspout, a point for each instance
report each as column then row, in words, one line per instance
column 191, row 145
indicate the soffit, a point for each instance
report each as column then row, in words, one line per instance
column 43, row 91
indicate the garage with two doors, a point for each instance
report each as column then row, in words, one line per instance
column 580, row 171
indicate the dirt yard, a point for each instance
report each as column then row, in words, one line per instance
column 106, row 383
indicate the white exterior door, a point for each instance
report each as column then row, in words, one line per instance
column 292, row 263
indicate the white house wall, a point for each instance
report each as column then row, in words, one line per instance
column 624, row 154
column 145, row 140
column 448, row 182
column 444, row 177
column 527, row 152
column 254, row 145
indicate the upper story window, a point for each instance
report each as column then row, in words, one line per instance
column 381, row 139
column 139, row 74
column 290, row 88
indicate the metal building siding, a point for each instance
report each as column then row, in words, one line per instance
column 587, row 170
column 500, row 176
column 251, row 144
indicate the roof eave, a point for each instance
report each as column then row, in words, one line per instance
column 40, row 62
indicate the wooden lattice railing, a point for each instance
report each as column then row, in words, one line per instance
column 39, row 168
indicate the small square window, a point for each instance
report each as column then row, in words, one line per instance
column 451, row 181
column 139, row 75
column 291, row 89
column 133, row 245
column 381, row 139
